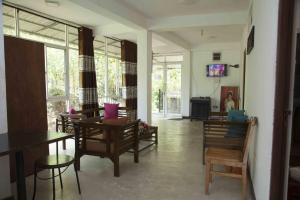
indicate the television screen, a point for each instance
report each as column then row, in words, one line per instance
column 216, row 70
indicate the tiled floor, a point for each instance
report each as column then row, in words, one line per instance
column 171, row 171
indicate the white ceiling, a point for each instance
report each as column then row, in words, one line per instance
column 196, row 36
column 169, row 8
column 182, row 22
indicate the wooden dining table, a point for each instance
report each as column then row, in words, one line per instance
column 16, row 143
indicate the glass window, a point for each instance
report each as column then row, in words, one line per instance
column 9, row 21
column 113, row 48
column 54, row 108
column 114, row 78
column 41, row 29
column 74, row 78
column 100, row 75
column 99, row 44
column 55, row 69
column 73, row 37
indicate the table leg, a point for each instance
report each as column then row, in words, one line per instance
column 21, row 185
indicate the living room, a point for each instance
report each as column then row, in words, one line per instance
column 222, row 44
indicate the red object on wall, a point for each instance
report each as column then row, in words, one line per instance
column 225, row 90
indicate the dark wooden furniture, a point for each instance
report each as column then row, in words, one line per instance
column 150, row 135
column 230, row 159
column 200, row 108
column 26, row 94
column 64, row 122
column 53, row 162
column 106, row 140
column 16, row 143
column 216, row 134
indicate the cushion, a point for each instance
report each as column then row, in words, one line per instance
column 237, row 115
column 72, row 111
column 237, row 130
column 111, row 111
column 295, row 173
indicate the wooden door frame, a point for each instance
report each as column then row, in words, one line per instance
column 282, row 90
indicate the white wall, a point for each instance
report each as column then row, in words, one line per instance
column 260, row 92
column 5, row 189
column 205, row 86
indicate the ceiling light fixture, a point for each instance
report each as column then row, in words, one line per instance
column 52, row 3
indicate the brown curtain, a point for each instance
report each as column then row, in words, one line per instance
column 129, row 75
column 88, row 96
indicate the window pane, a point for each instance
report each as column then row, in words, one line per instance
column 100, row 75
column 55, row 72
column 99, row 43
column 40, row 29
column 74, row 78
column 73, row 37
column 113, row 48
column 53, row 110
column 9, row 22
column 114, row 78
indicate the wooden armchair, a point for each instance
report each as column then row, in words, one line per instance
column 230, row 159
column 64, row 122
column 217, row 134
column 106, row 140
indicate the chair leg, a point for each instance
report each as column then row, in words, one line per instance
column 203, row 155
column 77, row 163
column 53, row 183
column 136, row 154
column 207, row 176
column 210, row 174
column 245, row 183
column 34, row 184
column 116, row 167
column 78, row 184
column 156, row 138
column 60, row 179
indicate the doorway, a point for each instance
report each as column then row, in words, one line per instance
column 166, row 86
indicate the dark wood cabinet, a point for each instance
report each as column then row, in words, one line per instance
column 26, row 94
column 200, row 108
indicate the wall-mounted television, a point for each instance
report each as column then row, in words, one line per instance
column 216, row 70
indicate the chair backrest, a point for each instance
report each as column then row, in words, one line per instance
column 249, row 136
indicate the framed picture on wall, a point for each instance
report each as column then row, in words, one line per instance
column 229, row 98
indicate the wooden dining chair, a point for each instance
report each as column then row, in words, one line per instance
column 230, row 159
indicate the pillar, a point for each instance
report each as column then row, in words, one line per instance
column 144, row 75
